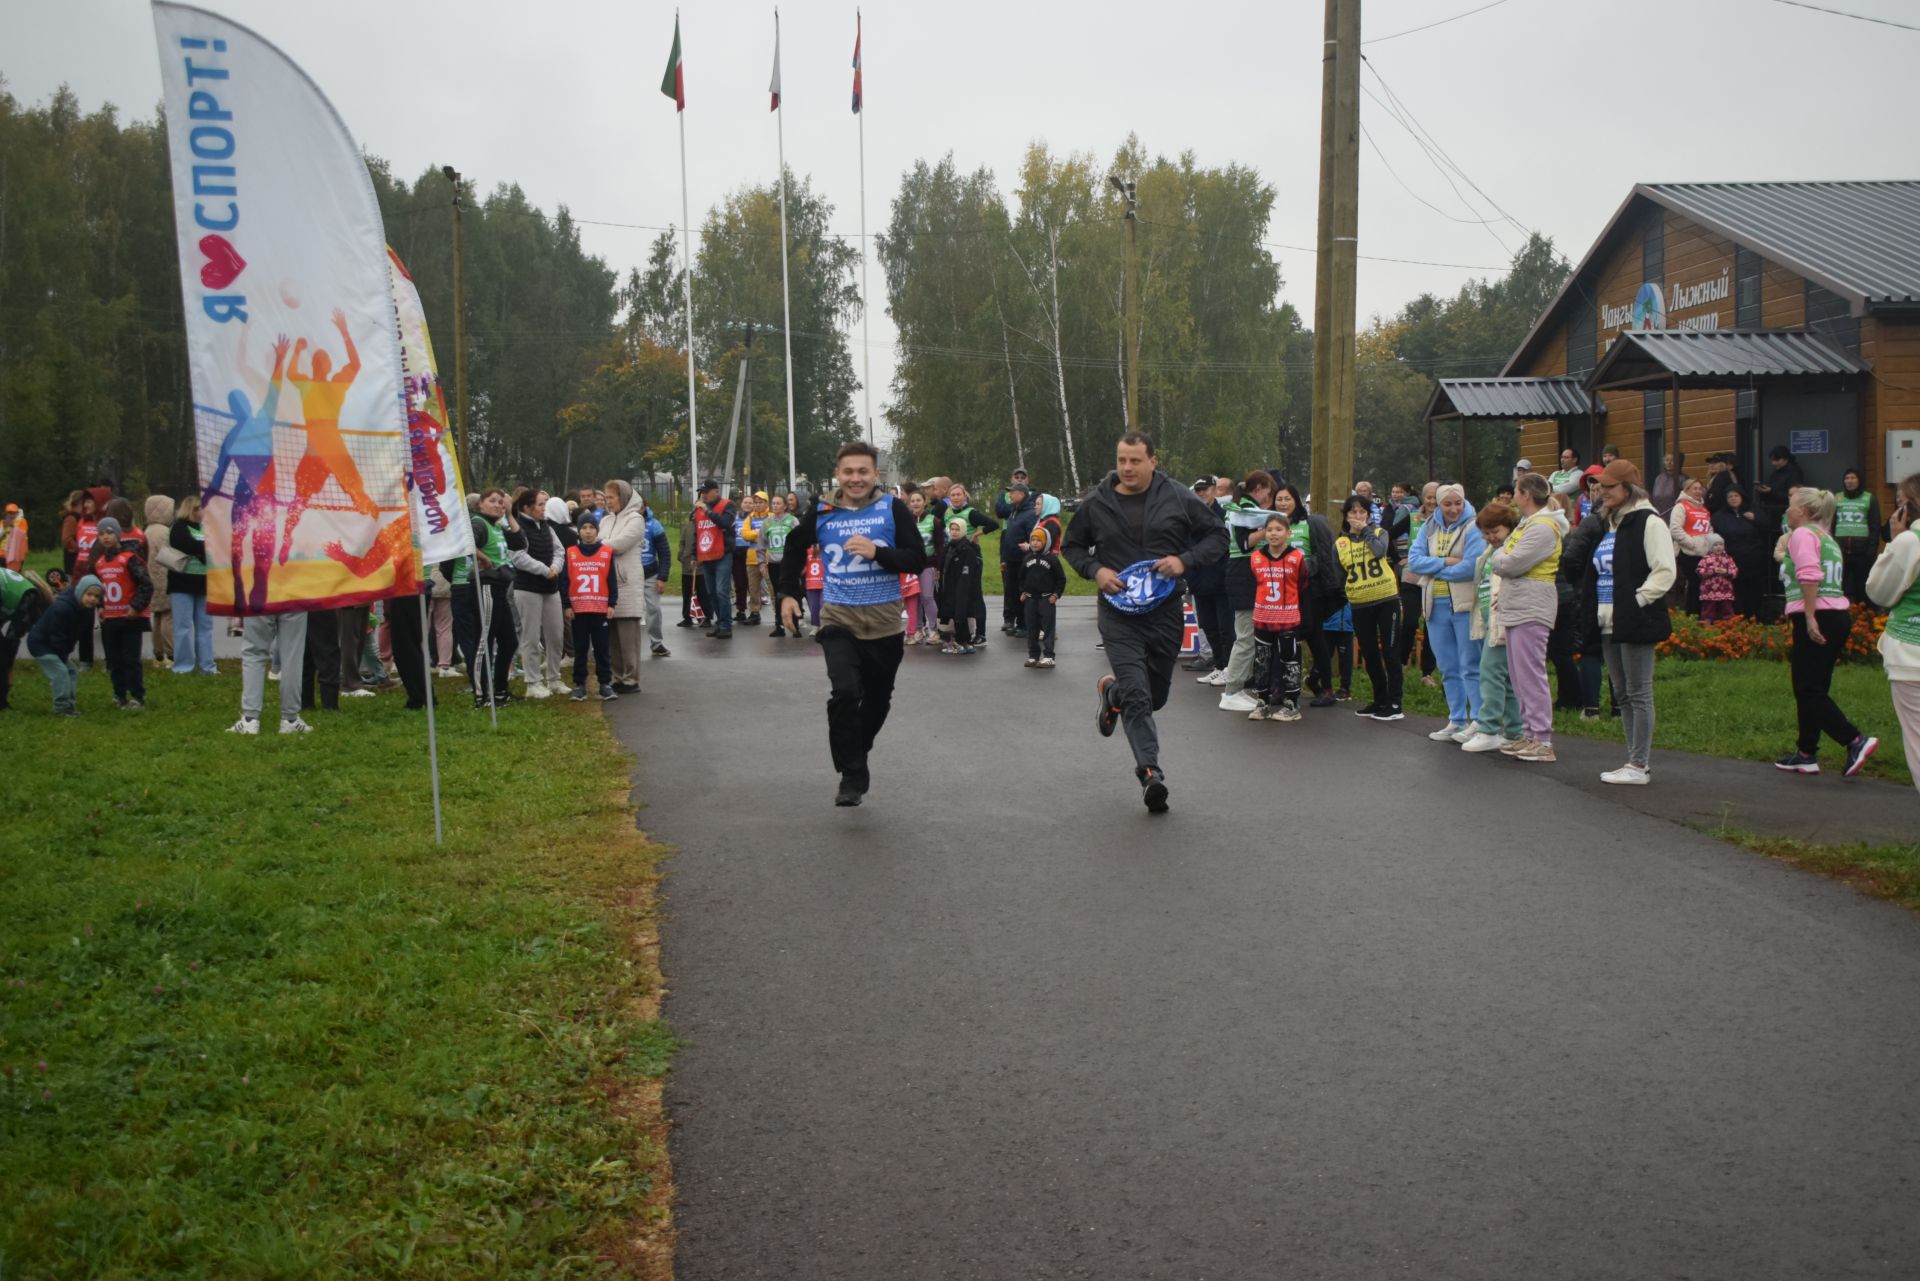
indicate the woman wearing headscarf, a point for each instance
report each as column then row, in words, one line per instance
column 625, row 531
column 1738, row 525
column 1446, row 553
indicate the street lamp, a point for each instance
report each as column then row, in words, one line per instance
column 1128, row 191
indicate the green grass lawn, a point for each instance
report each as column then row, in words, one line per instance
column 1885, row 871
column 1738, row 709
column 253, row 1023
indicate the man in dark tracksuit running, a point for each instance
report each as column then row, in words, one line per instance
column 867, row 540
column 1137, row 514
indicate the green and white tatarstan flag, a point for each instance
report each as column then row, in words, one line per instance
column 674, row 83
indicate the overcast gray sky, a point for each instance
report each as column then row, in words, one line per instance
column 1554, row 108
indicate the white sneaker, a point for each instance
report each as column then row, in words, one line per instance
column 1046, row 662
column 1219, row 676
column 1204, row 678
column 1442, row 735
column 1632, row 775
column 362, row 692
column 274, row 675
column 444, row 671
column 295, row 726
column 536, row 691
column 1238, row 702
column 244, row 726
column 1463, row 734
column 1482, row 742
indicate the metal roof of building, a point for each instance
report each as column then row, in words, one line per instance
column 1508, row 398
column 1859, row 239
column 1719, row 358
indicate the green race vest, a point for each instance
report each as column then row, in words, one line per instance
column 1240, row 542
column 496, row 548
column 1903, row 623
column 1850, row 516
column 1484, row 601
column 775, row 532
column 1831, row 564
column 13, row 589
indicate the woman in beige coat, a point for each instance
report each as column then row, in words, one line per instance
column 625, row 531
column 160, row 558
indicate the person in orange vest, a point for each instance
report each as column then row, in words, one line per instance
column 1280, row 571
column 126, row 592
column 590, row 589
column 713, row 537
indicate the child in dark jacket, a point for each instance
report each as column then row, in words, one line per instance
column 60, row 628
column 960, row 590
column 1042, row 583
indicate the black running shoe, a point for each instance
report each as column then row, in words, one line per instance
column 1153, row 790
column 1389, row 712
column 1322, row 700
column 1857, row 751
column 1109, row 714
column 1368, row 710
column 853, row 786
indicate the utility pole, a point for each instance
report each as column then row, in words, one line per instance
column 460, row 335
column 1130, row 296
column 1335, row 291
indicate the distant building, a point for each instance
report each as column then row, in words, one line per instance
column 1734, row 317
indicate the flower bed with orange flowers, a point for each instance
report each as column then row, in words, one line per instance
column 1738, row 638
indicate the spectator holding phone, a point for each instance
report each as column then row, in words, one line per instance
column 1894, row 585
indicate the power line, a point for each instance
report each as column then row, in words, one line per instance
column 1431, row 25
column 983, row 231
column 1365, row 133
column 1404, row 114
column 1842, row 13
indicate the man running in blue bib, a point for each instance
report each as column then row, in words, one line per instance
column 1134, row 519
column 867, row 540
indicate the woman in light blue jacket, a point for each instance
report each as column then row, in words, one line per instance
column 1445, row 553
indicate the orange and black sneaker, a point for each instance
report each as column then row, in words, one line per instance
column 1109, row 713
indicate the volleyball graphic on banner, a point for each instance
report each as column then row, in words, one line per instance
column 300, row 423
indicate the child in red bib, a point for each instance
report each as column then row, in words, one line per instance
column 589, row 590
column 816, row 584
column 127, row 592
column 1279, row 571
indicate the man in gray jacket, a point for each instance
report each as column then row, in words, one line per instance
column 1135, row 515
column 1528, row 602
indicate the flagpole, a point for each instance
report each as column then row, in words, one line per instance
column 786, row 298
column 433, row 743
column 686, row 263
column 866, row 334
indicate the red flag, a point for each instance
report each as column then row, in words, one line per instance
column 856, row 62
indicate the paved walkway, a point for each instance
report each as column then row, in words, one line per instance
column 1359, row 1006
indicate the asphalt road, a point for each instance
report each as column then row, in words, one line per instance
column 1360, row 1006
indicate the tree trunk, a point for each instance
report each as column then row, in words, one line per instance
column 1013, row 399
column 1059, row 365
